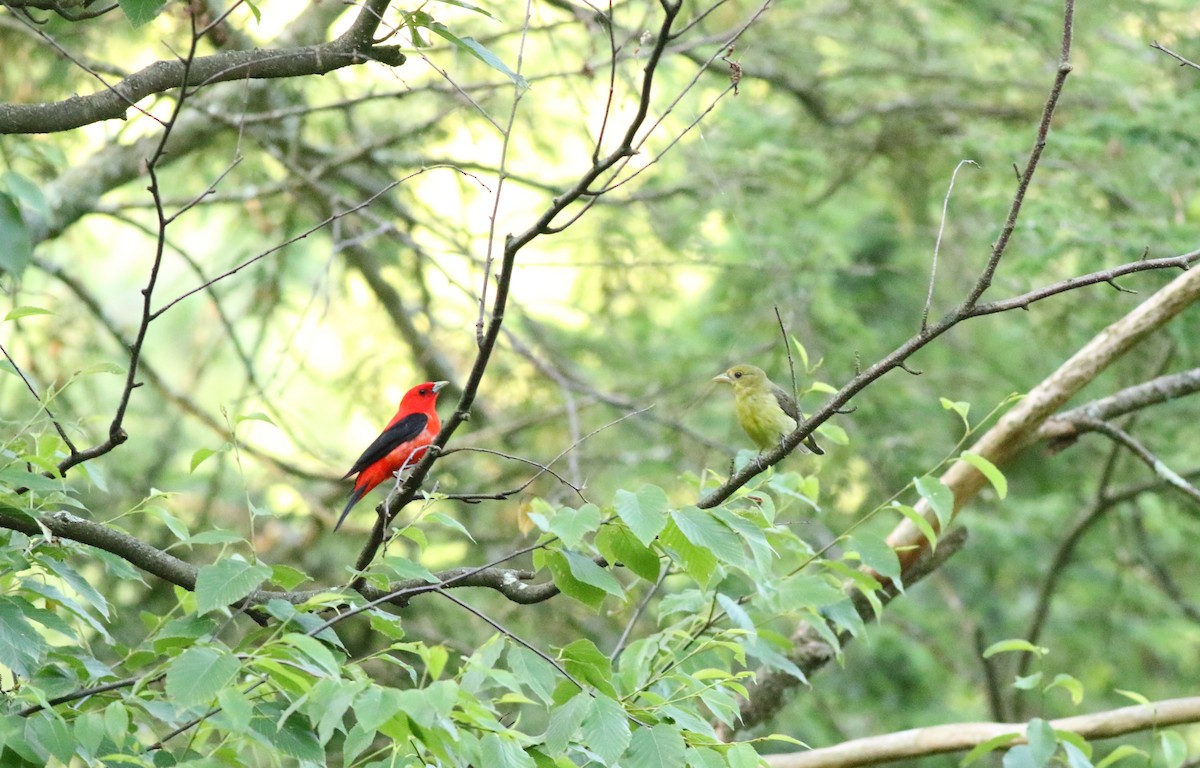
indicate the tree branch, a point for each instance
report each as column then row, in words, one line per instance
column 957, row 737
column 353, row 47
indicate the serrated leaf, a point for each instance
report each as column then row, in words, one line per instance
column 644, row 512
column 661, row 746
column 21, row 646
column 618, row 544
column 605, row 729
column 141, row 12
column 940, row 498
column 989, row 470
column 287, row 577
column 571, row 525
column 586, row 663
column 560, row 571
column 226, row 582
column 293, row 736
column 699, row 562
column 198, row 674
column 19, row 478
column 701, row 528
column 503, row 753
column 586, row 570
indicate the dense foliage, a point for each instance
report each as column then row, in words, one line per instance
column 578, row 215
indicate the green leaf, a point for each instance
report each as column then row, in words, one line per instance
column 140, row 12
column 586, row 663
column 565, row 720
column 1042, row 741
column 571, row 525
column 701, row 528
column 17, row 250
column 1014, row 645
column 202, row 454
column 661, row 746
column 878, row 556
column 256, row 416
column 53, row 734
column 18, row 312
column 287, row 577
column 960, row 407
column 1133, row 695
column 940, row 498
column 226, row 582
column 991, row 745
column 989, row 470
column 294, row 736
column 19, row 478
column 376, row 705
column 644, row 512
column 618, row 545
column 198, row 674
column 605, row 729
column 1019, row 756
column 1070, row 685
column 560, row 571
column 406, row 569
column 479, row 51
column 1174, row 748
column 586, row 570
column 1076, row 757
column 1120, row 753
column 699, row 562
column 21, row 646
column 1028, row 682
column 918, row 520
column 503, row 753
column 27, row 194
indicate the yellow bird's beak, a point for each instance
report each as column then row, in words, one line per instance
column 724, row 378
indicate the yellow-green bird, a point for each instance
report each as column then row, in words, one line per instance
column 764, row 409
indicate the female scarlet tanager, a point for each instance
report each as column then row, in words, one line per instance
column 765, row 410
column 401, row 444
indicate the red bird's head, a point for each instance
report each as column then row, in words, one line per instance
column 422, row 397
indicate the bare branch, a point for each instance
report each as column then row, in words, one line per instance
column 958, row 737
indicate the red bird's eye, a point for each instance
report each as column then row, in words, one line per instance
column 424, row 392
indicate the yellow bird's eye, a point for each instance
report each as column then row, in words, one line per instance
column 737, row 374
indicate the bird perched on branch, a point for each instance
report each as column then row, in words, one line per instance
column 401, row 444
column 764, row 409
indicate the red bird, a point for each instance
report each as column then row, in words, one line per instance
column 401, row 444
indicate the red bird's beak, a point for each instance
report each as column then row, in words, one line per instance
column 437, row 385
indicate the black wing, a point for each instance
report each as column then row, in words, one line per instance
column 401, row 432
column 791, row 409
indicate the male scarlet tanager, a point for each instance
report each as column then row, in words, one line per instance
column 401, row 444
column 764, row 409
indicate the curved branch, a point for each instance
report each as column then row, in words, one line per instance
column 957, row 737
column 513, row 583
column 353, row 47
column 1158, row 390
